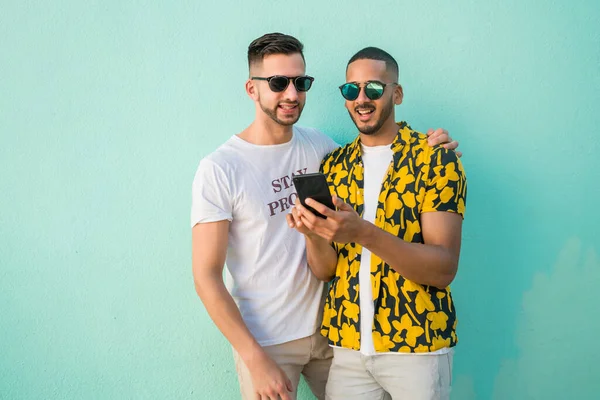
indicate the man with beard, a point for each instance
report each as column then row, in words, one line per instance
column 392, row 247
column 270, row 307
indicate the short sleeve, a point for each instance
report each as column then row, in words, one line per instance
column 211, row 197
column 330, row 144
column 322, row 143
column 447, row 184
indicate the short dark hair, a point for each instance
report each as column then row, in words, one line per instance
column 273, row 43
column 375, row 53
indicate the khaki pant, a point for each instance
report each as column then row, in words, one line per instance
column 309, row 356
column 354, row 376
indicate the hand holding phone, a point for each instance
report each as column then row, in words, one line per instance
column 313, row 186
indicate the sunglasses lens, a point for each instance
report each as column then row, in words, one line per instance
column 279, row 83
column 350, row 91
column 374, row 90
column 303, row 83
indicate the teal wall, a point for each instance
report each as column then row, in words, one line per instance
column 107, row 107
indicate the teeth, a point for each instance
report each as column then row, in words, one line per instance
column 364, row 112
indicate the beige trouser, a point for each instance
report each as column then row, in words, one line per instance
column 309, row 356
column 354, row 376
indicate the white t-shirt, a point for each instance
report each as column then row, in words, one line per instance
column 267, row 274
column 376, row 161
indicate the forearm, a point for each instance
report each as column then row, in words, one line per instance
column 225, row 314
column 321, row 257
column 425, row 264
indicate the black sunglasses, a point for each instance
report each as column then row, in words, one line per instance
column 373, row 89
column 278, row 83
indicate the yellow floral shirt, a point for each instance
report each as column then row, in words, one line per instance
column 409, row 317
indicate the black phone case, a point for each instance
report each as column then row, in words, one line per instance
column 313, row 186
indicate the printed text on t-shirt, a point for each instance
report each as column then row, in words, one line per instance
column 279, row 184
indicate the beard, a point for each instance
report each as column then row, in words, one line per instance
column 386, row 111
column 289, row 120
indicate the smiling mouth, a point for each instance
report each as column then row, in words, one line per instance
column 288, row 107
column 364, row 111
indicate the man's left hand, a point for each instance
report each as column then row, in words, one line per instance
column 441, row 136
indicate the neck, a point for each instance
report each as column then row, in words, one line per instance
column 267, row 132
column 384, row 136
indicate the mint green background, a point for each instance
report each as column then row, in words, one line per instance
column 107, row 107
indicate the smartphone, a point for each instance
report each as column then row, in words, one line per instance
column 313, row 186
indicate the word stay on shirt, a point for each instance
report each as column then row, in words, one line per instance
column 280, row 184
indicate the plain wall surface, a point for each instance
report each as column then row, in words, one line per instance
column 106, row 109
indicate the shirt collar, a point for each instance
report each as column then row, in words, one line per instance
column 403, row 137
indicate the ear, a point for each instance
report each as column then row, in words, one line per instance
column 251, row 89
column 398, row 95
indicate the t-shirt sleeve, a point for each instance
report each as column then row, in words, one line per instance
column 330, row 144
column 447, row 184
column 326, row 144
column 211, row 197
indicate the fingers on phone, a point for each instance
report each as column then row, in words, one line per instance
column 321, row 208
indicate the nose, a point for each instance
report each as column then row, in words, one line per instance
column 290, row 93
column 362, row 95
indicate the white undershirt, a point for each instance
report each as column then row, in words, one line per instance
column 376, row 161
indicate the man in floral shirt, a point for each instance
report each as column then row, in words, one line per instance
column 391, row 248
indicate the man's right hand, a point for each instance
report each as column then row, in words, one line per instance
column 269, row 381
column 321, row 257
column 294, row 220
